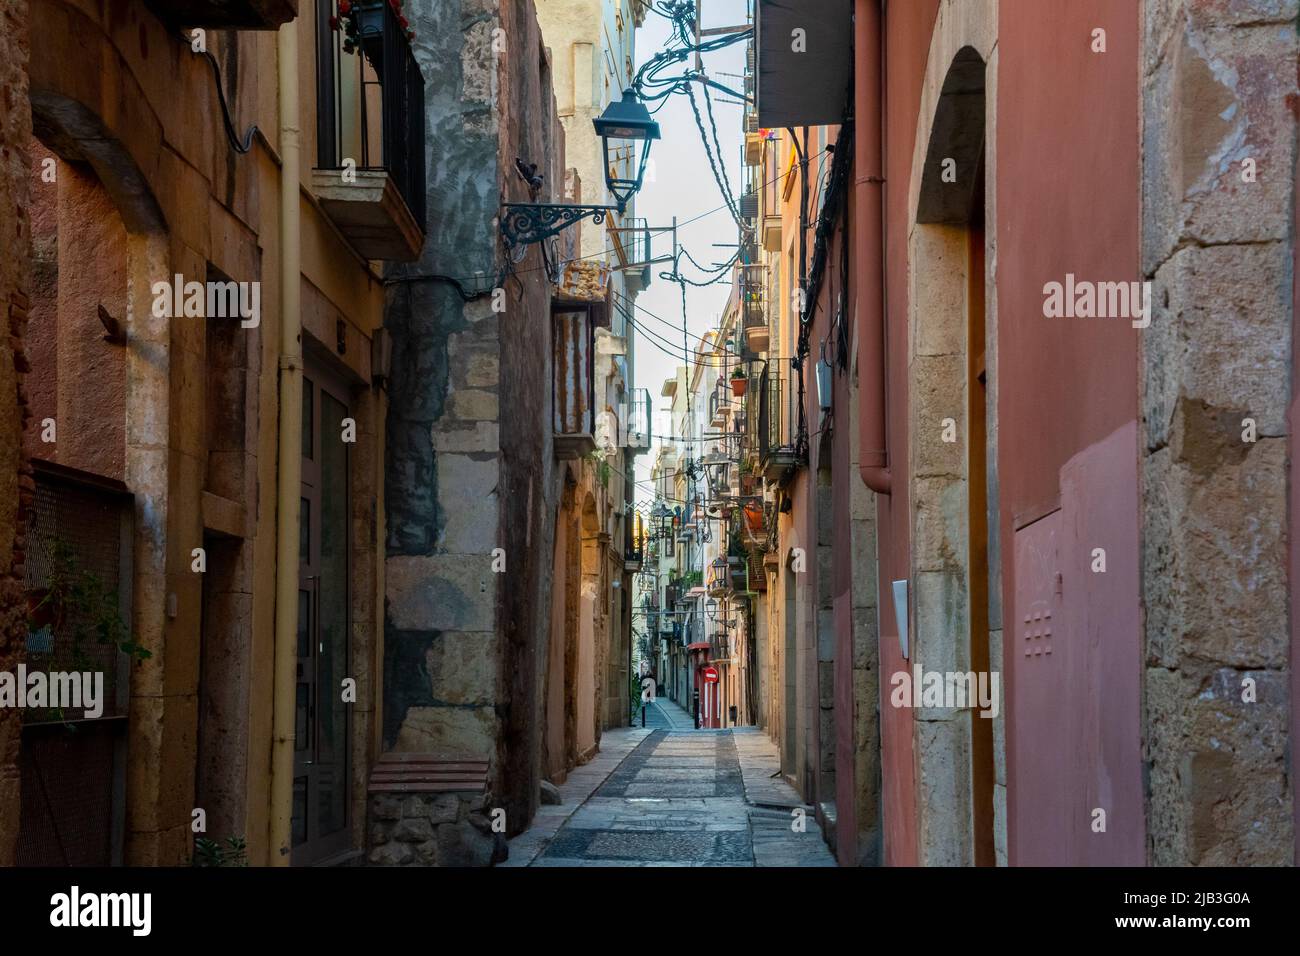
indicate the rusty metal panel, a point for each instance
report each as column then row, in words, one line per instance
column 1100, row 523
column 1035, row 651
column 573, row 395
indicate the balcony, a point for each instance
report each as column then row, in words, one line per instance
column 754, row 309
column 771, row 233
column 638, row 420
column 225, row 14
column 370, row 162
column 632, row 247
column 717, row 408
column 776, row 431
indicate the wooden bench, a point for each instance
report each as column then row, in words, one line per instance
column 427, row 773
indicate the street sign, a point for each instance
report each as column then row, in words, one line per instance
column 710, row 675
column 647, row 689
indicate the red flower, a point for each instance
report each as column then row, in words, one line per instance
column 345, row 7
column 395, row 4
column 334, row 23
column 403, row 21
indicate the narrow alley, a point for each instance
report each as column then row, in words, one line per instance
column 676, row 796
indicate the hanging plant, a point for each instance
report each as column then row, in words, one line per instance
column 739, row 382
column 362, row 21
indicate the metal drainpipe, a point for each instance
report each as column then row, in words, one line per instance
column 869, row 182
column 289, row 474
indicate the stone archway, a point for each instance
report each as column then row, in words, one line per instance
column 953, row 429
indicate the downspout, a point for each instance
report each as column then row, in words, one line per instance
column 289, row 473
column 869, row 225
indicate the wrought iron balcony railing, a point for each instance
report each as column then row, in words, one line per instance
column 370, row 143
column 776, row 426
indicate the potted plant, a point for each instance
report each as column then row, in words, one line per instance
column 739, row 382
column 362, row 25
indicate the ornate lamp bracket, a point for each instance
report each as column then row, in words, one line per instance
column 525, row 223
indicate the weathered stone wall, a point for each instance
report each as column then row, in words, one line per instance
column 530, row 481
column 433, row 829
column 866, row 651
column 1218, row 90
column 470, row 466
column 443, row 437
column 15, row 476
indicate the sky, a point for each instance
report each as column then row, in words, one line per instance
column 683, row 186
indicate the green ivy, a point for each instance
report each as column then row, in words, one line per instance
column 233, row 851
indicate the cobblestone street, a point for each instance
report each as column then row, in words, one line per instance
column 681, row 797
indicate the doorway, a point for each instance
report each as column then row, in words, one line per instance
column 322, row 721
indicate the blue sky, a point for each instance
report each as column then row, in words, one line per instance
column 684, row 187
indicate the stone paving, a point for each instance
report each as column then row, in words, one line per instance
column 678, row 798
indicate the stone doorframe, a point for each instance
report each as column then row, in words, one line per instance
column 956, row 121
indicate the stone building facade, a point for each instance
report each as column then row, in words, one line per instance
column 474, row 488
column 153, row 149
column 15, row 475
column 1092, row 503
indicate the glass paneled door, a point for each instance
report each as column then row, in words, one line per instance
column 322, row 722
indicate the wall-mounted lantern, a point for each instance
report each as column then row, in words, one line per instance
column 625, row 125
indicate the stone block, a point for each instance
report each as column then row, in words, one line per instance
column 461, row 844
column 477, row 438
column 473, row 404
column 426, row 854
column 937, row 274
column 467, row 500
column 826, row 685
column 550, row 794
column 1220, row 335
column 468, row 732
column 1213, row 97
column 940, row 536
column 413, row 830
column 444, row 808
column 1214, row 560
column 863, row 542
column 392, row 854
column 1220, row 794
column 943, row 792
column 385, row 806
column 938, row 395
column 940, row 628
column 463, row 668
column 449, row 592
column 866, row 638
column 825, row 635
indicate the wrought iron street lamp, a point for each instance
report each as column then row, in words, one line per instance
column 625, row 125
